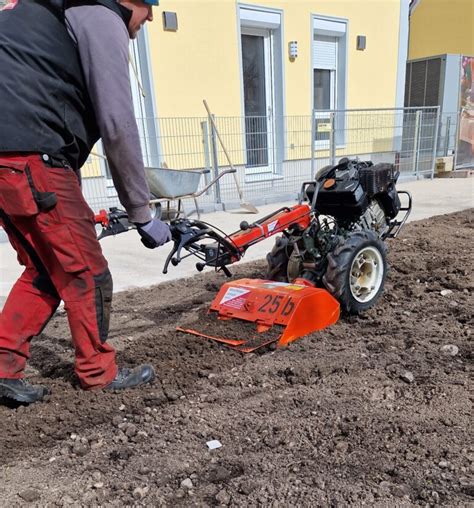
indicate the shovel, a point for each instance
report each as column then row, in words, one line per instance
column 244, row 204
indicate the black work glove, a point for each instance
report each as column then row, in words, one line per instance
column 154, row 233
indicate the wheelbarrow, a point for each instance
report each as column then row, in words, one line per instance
column 174, row 185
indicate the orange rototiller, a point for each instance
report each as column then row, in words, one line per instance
column 331, row 253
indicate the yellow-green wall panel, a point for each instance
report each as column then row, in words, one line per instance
column 438, row 27
column 201, row 59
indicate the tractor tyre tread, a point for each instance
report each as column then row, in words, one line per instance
column 277, row 261
column 336, row 279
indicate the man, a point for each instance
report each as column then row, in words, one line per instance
column 64, row 83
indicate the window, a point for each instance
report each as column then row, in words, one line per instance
column 324, row 95
column 323, row 89
column 329, row 78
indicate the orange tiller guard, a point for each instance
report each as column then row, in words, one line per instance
column 299, row 308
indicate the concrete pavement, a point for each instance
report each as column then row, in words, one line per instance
column 133, row 266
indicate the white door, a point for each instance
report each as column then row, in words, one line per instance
column 258, row 86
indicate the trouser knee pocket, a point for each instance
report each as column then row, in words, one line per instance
column 103, row 303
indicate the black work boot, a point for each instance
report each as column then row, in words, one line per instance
column 129, row 378
column 21, row 390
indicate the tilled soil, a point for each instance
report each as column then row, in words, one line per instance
column 374, row 410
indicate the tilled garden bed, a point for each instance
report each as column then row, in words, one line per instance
column 373, row 410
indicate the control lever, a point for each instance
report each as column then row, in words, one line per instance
column 184, row 233
column 113, row 223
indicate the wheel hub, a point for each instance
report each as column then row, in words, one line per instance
column 366, row 274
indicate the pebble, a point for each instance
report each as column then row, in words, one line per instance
column 117, row 420
column 223, row 497
column 446, row 292
column 122, row 407
column 450, row 349
column 342, row 446
column 131, row 430
column 140, row 492
column 187, row 484
column 443, row 464
column 401, row 490
column 180, row 493
column 407, row 376
column 30, row 495
column 96, row 476
column 219, row 474
column 247, row 487
column 80, row 449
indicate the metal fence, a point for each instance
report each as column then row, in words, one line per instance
column 448, row 134
column 274, row 155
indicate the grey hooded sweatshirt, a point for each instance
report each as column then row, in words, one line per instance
column 102, row 40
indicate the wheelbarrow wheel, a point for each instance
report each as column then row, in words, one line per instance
column 277, row 260
column 155, row 208
column 356, row 271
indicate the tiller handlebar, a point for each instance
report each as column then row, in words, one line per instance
column 209, row 244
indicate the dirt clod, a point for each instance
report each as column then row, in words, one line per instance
column 328, row 421
column 30, row 495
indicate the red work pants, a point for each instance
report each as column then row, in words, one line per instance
column 63, row 260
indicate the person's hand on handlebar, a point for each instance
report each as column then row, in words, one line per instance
column 154, row 233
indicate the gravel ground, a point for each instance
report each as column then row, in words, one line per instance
column 374, row 410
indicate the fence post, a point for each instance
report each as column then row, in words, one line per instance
column 435, row 141
column 332, row 140
column 456, row 137
column 207, row 155
column 215, row 162
column 313, row 142
column 416, row 142
column 447, row 135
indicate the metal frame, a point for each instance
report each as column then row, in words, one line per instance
column 192, row 144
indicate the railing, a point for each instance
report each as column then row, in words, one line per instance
column 274, row 155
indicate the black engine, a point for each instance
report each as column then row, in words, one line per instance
column 347, row 190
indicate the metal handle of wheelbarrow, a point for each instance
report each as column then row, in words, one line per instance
column 213, row 181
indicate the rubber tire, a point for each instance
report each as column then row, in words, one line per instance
column 155, row 208
column 337, row 276
column 277, row 261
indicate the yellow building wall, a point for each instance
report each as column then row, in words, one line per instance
column 201, row 60
column 438, row 27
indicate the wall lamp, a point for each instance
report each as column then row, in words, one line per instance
column 293, row 50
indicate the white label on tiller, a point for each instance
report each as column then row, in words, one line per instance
column 272, row 226
column 233, row 293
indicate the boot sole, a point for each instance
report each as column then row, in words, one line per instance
column 10, row 393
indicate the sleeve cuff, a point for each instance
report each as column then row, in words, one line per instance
column 139, row 214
